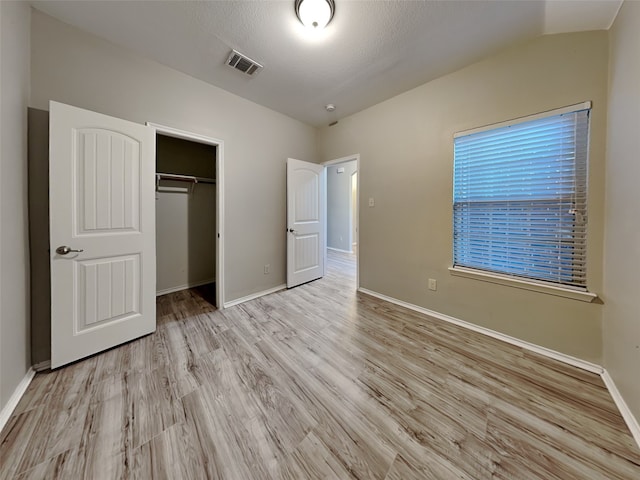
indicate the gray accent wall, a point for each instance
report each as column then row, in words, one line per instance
column 339, row 214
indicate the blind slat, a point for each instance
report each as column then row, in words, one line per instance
column 520, row 199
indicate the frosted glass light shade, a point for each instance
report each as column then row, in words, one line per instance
column 315, row 14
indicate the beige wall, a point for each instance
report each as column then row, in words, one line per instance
column 14, row 256
column 621, row 319
column 73, row 67
column 406, row 147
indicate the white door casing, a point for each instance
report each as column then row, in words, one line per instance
column 219, row 144
column 354, row 211
column 306, row 221
column 101, row 197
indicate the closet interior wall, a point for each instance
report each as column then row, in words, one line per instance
column 40, row 271
column 185, row 215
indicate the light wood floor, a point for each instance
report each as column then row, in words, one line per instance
column 317, row 382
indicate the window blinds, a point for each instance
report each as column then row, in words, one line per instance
column 520, row 199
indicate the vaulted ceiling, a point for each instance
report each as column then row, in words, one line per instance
column 371, row 51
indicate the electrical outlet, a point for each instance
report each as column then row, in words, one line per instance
column 433, row 285
column 372, row 202
column 267, row 268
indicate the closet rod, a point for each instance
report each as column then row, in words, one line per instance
column 184, row 178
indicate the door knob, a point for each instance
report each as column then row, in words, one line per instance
column 63, row 250
column 292, row 230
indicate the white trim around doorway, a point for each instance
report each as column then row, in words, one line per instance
column 219, row 144
column 328, row 163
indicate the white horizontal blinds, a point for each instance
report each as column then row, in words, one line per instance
column 520, row 199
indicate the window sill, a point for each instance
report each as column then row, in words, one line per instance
column 566, row 292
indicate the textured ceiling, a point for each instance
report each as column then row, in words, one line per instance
column 371, row 51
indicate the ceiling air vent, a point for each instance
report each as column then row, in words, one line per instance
column 243, row 63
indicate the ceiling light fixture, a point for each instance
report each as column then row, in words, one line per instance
column 315, row 14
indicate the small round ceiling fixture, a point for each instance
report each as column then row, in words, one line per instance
column 315, row 14
column 330, row 107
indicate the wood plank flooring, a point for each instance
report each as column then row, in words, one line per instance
column 317, row 382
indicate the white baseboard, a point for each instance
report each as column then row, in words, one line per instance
column 253, row 296
column 11, row 405
column 547, row 352
column 628, row 416
column 339, row 250
column 183, row 287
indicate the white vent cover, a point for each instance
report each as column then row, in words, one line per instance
column 243, row 63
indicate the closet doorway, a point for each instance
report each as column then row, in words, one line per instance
column 188, row 207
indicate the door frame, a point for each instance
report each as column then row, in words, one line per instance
column 353, row 211
column 219, row 144
column 329, row 163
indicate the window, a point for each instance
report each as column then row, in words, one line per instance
column 520, row 197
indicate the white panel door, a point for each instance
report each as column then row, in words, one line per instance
column 306, row 221
column 101, row 195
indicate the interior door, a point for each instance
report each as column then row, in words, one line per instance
column 102, row 224
column 306, row 221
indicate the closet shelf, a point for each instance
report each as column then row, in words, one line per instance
column 183, row 178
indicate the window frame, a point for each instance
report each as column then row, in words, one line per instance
column 538, row 285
